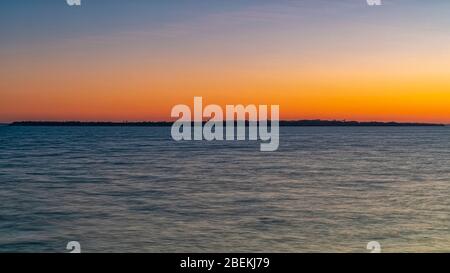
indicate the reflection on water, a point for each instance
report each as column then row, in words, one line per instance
column 134, row 189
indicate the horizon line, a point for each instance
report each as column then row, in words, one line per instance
column 286, row 122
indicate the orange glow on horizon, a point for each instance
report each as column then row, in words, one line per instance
column 91, row 85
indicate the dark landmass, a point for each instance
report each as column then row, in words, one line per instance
column 352, row 123
column 167, row 124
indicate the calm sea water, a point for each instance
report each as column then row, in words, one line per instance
column 135, row 190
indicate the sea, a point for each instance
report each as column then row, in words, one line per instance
column 134, row 189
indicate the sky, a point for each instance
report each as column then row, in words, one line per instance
column 133, row 60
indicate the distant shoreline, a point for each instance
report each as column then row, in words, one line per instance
column 283, row 123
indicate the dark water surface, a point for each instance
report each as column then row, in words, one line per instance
column 131, row 189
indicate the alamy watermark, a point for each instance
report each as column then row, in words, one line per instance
column 73, row 2
column 74, row 247
column 374, row 247
column 369, row 2
column 235, row 120
column 374, row 2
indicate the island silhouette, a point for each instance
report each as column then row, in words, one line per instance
column 282, row 123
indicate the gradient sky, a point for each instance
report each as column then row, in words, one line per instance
column 135, row 59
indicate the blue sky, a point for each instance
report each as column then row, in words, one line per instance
column 22, row 20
